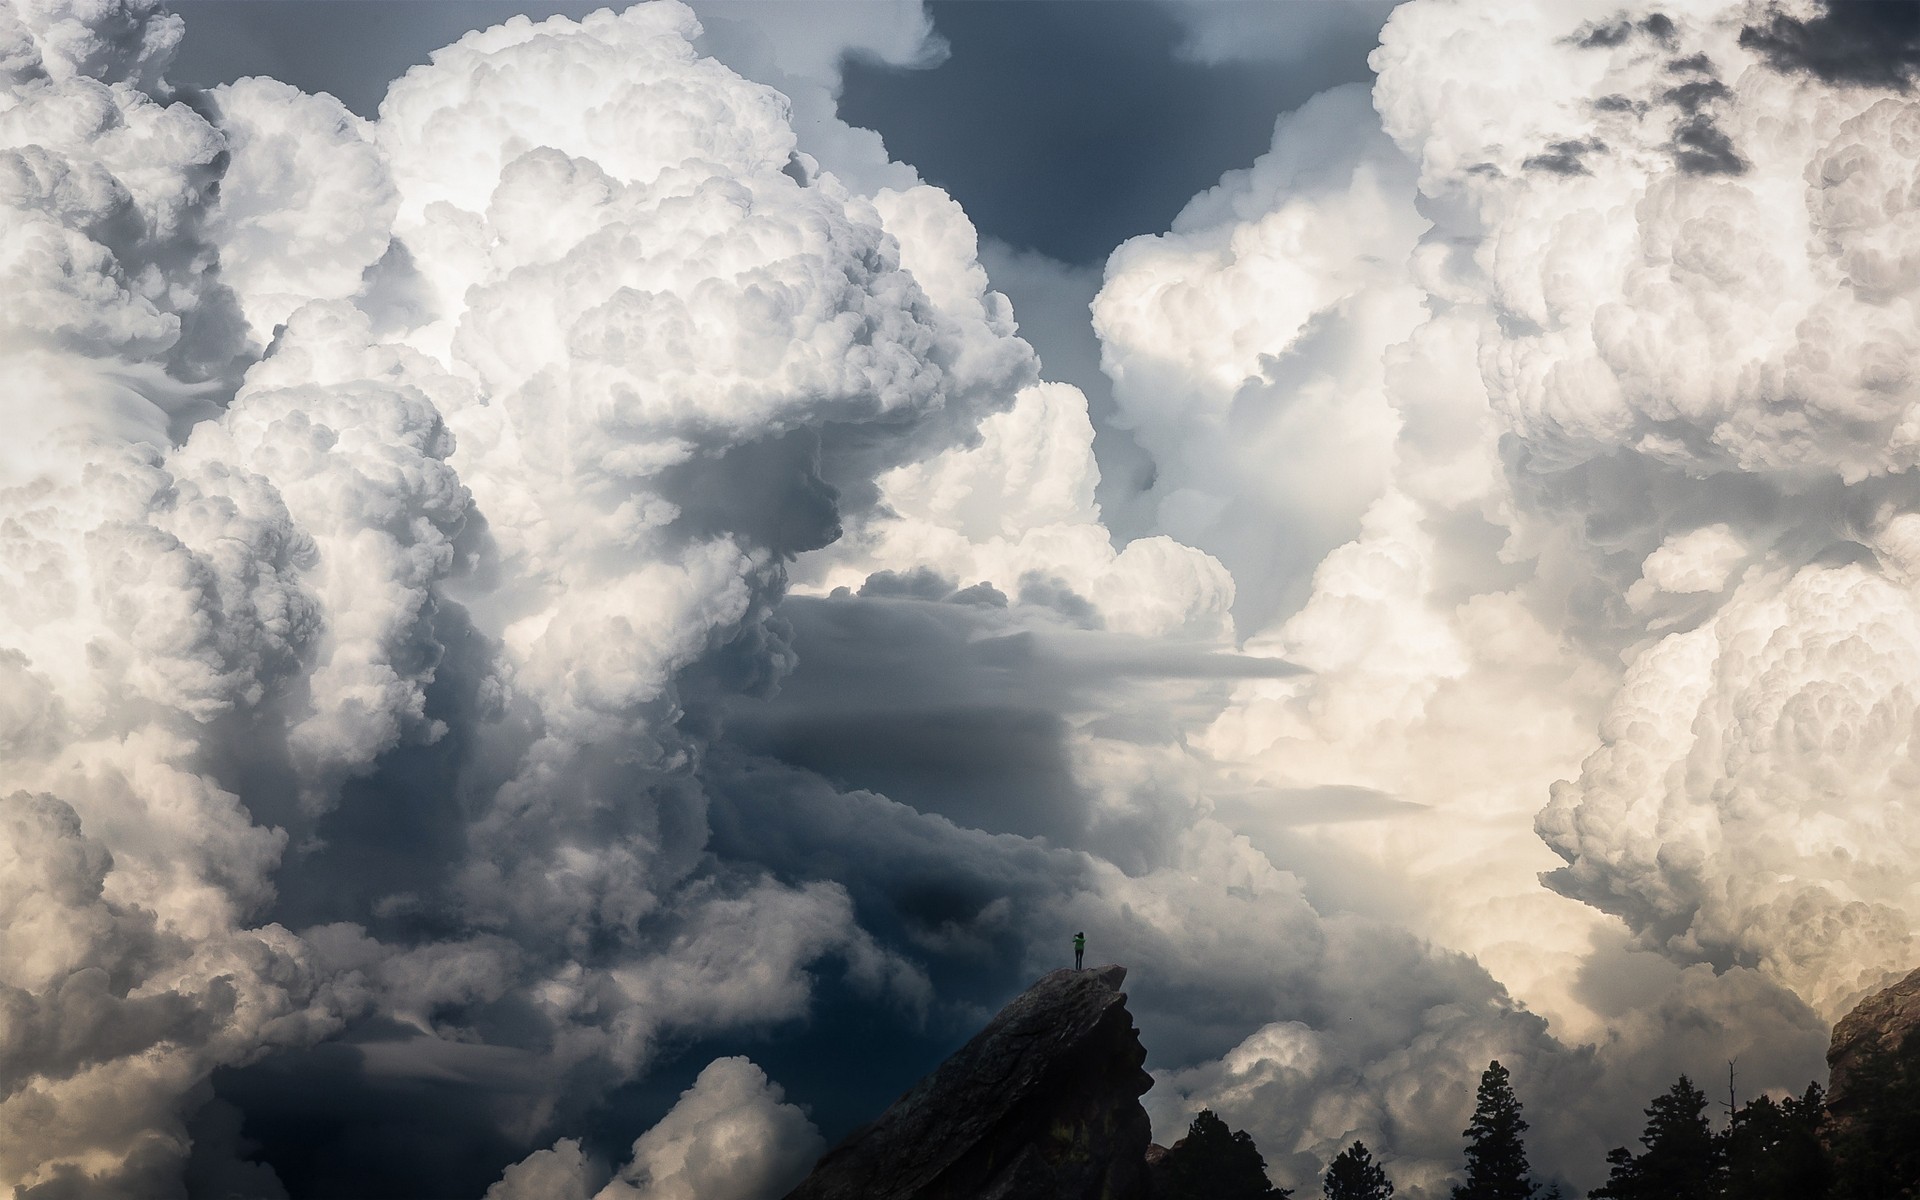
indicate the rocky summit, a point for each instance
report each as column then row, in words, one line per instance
column 1876, row 1027
column 1043, row 1104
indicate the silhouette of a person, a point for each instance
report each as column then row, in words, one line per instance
column 1079, row 951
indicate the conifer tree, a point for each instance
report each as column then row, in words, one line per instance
column 1214, row 1162
column 1772, row 1150
column 1355, row 1176
column 1496, row 1155
column 1681, row 1159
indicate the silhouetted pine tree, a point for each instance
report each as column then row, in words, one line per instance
column 1682, row 1157
column 1773, row 1152
column 1214, row 1162
column 1877, row 1154
column 1496, row 1157
column 1355, row 1176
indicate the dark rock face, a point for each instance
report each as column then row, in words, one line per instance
column 1043, row 1104
column 1877, row 1025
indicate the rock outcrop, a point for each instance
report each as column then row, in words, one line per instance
column 1877, row 1025
column 1043, row 1104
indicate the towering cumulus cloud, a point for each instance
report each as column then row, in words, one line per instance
column 535, row 423
column 400, row 506
column 1245, row 347
column 387, row 584
column 514, row 600
column 1697, row 295
column 1635, row 514
column 146, row 603
column 1643, row 525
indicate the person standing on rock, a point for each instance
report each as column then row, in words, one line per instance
column 1079, row 951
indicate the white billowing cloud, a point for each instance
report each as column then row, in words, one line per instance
column 621, row 61
column 283, row 144
column 104, row 189
column 200, row 584
column 627, row 94
column 731, row 1137
column 1016, row 508
column 1745, row 805
column 360, row 464
column 637, row 351
column 608, row 344
column 1412, row 699
column 131, row 974
column 1660, row 294
column 1693, row 272
column 59, row 41
column 1693, row 263
column 1246, row 348
column 559, row 1173
column 141, row 601
column 667, row 333
column 107, row 1017
column 1648, row 410
column 1700, row 560
column 1231, row 941
column 170, row 593
column 1017, row 511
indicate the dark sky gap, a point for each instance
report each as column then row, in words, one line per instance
column 1068, row 128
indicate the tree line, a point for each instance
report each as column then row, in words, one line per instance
column 1791, row 1149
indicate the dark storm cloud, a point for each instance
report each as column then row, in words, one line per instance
column 1618, row 103
column 768, row 492
column 330, row 1128
column 1043, row 591
column 1871, row 43
column 921, row 583
column 1690, row 97
column 1081, row 119
column 970, row 904
column 996, row 767
column 953, row 709
column 911, row 691
column 384, row 856
column 224, row 1162
column 1701, row 147
column 915, row 877
column 1564, row 158
column 1601, row 35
